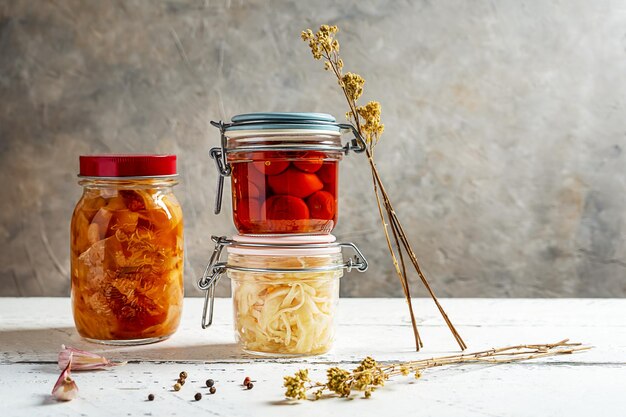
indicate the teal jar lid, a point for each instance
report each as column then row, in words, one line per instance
column 283, row 121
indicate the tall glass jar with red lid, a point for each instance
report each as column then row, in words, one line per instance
column 127, row 249
column 284, row 171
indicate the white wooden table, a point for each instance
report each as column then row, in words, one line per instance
column 587, row 384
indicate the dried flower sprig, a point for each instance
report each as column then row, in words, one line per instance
column 367, row 120
column 370, row 375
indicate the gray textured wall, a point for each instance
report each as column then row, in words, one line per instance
column 503, row 152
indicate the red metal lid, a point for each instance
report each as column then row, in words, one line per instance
column 127, row 165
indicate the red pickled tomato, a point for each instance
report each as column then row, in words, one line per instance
column 321, row 205
column 248, row 211
column 312, row 162
column 252, row 191
column 255, row 176
column 328, row 173
column 270, row 166
column 295, row 183
column 331, row 187
column 254, row 183
column 285, row 207
column 247, row 181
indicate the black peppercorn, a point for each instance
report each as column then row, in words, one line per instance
column 249, row 385
column 151, row 397
column 210, row 383
column 212, row 390
column 198, row 396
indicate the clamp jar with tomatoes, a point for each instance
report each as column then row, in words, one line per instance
column 127, row 250
column 284, row 171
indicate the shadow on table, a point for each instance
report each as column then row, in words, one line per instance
column 43, row 345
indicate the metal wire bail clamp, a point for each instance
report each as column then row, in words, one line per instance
column 211, row 276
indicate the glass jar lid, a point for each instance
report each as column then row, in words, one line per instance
column 127, row 166
column 280, row 121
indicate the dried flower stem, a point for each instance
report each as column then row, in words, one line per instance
column 369, row 375
column 367, row 120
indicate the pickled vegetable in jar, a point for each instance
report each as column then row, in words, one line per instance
column 285, row 291
column 284, row 172
column 127, row 249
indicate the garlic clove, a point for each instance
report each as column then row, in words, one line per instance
column 83, row 360
column 65, row 388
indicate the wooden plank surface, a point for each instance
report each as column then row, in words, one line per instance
column 32, row 330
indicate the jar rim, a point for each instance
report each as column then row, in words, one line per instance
column 283, row 140
column 129, row 178
column 287, row 245
column 235, row 274
column 128, row 182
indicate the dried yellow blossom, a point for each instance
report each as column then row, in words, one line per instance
column 353, row 85
column 367, row 376
column 318, row 394
column 296, row 385
column 322, row 43
column 306, row 35
column 339, row 381
column 372, row 127
column 367, row 363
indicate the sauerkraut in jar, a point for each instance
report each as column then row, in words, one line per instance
column 288, row 313
column 285, row 291
column 127, row 250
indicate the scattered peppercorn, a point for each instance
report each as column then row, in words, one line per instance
column 249, row 385
column 212, row 390
column 198, row 396
column 210, row 383
column 183, row 375
column 151, row 397
column 177, row 386
column 181, row 381
column 246, row 381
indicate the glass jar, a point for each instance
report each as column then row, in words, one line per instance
column 285, row 291
column 284, row 169
column 127, row 250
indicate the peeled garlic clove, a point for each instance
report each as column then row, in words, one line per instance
column 83, row 360
column 65, row 388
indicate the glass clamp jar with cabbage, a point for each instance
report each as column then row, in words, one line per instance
column 285, row 290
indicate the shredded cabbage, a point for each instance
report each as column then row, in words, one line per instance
column 286, row 313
